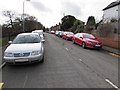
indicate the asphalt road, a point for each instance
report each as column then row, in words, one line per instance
column 66, row 65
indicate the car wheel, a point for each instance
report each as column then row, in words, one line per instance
column 83, row 45
column 7, row 63
column 73, row 41
column 42, row 59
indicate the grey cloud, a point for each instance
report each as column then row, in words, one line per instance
column 40, row 7
column 71, row 8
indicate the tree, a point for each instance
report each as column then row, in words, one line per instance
column 90, row 24
column 14, row 25
column 106, row 29
column 78, row 26
column 67, row 22
column 91, row 21
column 11, row 15
column 31, row 23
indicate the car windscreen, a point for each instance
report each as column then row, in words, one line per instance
column 70, row 33
column 88, row 36
column 20, row 39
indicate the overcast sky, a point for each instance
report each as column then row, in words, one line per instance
column 50, row 12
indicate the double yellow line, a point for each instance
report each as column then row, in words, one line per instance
column 1, row 85
column 115, row 55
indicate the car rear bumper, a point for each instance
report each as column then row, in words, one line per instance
column 69, row 38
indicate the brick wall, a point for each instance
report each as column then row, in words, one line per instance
column 110, row 42
column 113, row 41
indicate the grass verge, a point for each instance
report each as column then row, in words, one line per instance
column 4, row 40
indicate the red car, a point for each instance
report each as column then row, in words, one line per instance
column 87, row 40
column 68, row 35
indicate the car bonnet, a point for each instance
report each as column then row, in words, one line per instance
column 23, row 47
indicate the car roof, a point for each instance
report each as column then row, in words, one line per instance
column 39, row 30
column 82, row 33
column 28, row 34
column 69, row 32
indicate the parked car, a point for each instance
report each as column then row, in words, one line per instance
column 52, row 32
column 87, row 40
column 25, row 48
column 60, row 34
column 56, row 33
column 40, row 31
column 68, row 35
column 40, row 34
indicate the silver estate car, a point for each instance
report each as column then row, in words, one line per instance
column 25, row 48
column 40, row 32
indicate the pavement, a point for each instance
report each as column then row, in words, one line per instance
column 112, row 50
column 2, row 49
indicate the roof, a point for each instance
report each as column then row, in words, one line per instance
column 113, row 4
column 28, row 34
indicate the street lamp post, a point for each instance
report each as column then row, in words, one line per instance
column 23, row 15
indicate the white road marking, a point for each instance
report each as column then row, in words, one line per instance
column 66, row 49
column 112, row 84
column 2, row 65
column 80, row 60
column 26, row 78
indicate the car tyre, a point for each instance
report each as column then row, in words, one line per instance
column 42, row 59
column 83, row 45
column 73, row 41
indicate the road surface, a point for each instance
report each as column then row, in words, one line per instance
column 66, row 65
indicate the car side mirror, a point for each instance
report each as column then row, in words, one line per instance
column 9, row 42
column 42, row 41
column 81, row 37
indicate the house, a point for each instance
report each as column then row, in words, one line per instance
column 56, row 27
column 111, row 12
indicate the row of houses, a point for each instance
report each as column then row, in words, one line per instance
column 112, row 11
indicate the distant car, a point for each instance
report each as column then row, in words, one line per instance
column 68, row 35
column 56, row 33
column 52, row 32
column 60, row 34
column 25, row 48
column 87, row 40
column 40, row 32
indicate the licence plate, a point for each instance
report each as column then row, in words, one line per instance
column 97, row 45
column 21, row 60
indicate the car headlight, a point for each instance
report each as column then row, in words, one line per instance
column 8, row 54
column 35, row 53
